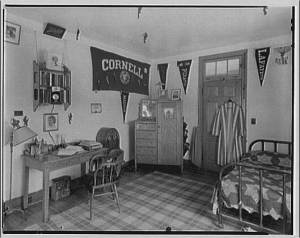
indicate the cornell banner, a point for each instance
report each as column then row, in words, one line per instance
column 118, row 73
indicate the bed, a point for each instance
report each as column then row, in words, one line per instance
column 265, row 178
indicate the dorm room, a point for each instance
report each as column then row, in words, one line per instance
column 180, row 116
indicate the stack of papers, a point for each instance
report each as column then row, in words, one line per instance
column 69, row 150
column 90, row 145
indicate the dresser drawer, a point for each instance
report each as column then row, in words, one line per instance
column 146, row 142
column 147, row 159
column 146, row 150
column 145, row 126
column 151, row 135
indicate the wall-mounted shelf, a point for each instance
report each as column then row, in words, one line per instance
column 51, row 86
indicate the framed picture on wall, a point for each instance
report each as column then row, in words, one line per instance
column 50, row 122
column 54, row 30
column 12, row 32
column 175, row 94
column 96, row 108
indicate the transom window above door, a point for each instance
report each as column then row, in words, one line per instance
column 223, row 69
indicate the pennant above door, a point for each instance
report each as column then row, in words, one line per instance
column 184, row 69
column 124, row 101
column 162, row 69
column 261, row 56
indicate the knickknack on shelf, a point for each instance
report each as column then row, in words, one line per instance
column 51, row 86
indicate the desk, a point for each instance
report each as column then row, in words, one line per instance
column 50, row 162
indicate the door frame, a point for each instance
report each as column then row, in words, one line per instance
column 202, row 59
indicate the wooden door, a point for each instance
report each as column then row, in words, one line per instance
column 222, row 78
column 169, row 133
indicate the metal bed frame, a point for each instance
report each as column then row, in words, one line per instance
column 225, row 169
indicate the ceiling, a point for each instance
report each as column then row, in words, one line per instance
column 171, row 30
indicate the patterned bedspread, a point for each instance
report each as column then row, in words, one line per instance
column 272, row 185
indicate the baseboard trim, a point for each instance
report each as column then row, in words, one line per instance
column 37, row 197
column 128, row 163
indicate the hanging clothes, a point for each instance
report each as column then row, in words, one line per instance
column 229, row 126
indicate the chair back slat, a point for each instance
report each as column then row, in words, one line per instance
column 107, row 172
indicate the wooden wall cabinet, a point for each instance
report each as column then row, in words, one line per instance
column 159, row 141
column 51, row 86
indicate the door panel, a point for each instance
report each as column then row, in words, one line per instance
column 210, row 114
column 210, row 162
column 223, row 78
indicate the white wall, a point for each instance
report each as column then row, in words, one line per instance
column 270, row 104
column 18, row 95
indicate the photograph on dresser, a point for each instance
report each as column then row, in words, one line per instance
column 150, row 119
column 169, row 113
column 147, row 110
column 175, row 94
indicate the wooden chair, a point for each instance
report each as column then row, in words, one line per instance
column 104, row 172
column 105, row 175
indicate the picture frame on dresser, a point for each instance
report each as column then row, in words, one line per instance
column 147, row 110
column 175, row 94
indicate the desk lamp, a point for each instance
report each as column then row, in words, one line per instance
column 18, row 135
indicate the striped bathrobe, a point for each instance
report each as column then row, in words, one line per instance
column 229, row 126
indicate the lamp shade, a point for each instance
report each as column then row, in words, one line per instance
column 22, row 134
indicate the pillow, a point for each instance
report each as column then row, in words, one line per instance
column 267, row 158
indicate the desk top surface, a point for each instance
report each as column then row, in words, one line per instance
column 53, row 157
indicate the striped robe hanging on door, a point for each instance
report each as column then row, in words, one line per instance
column 229, row 126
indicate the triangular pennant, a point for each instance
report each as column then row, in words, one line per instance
column 124, row 101
column 261, row 56
column 162, row 69
column 184, row 69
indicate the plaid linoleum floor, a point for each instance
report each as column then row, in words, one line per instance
column 152, row 202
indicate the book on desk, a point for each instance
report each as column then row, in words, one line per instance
column 83, row 145
column 90, row 145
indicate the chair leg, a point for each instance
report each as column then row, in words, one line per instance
column 117, row 196
column 91, row 205
column 112, row 191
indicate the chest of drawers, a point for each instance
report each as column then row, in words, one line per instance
column 159, row 142
column 145, row 142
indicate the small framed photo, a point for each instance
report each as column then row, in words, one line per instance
column 169, row 113
column 12, row 33
column 175, row 94
column 163, row 93
column 96, row 107
column 54, row 30
column 54, row 61
column 50, row 122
